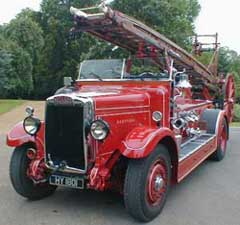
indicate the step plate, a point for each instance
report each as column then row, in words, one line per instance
column 194, row 145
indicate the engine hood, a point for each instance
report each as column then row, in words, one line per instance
column 111, row 99
column 124, row 107
column 116, row 99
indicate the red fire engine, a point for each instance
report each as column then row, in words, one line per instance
column 135, row 125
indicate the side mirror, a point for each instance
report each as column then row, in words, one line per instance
column 67, row 81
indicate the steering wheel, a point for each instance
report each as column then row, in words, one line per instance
column 147, row 75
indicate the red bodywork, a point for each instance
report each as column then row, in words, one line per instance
column 127, row 106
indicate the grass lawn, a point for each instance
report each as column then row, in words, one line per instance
column 7, row 105
column 235, row 124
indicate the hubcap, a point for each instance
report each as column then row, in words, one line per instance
column 157, row 182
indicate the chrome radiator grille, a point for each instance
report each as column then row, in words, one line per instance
column 64, row 134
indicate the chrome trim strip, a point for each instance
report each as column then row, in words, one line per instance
column 117, row 80
column 164, row 107
column 217, row 123
column 80, row 70
column 126, row 113
column 123, row 69
column 119, row 108
column 190, row 107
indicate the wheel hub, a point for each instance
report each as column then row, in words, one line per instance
column 159, row 182
column 156, row 183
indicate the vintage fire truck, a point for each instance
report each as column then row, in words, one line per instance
column 136, row 125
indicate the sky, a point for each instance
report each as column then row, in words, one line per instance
column 216, row 16
column 221, row 16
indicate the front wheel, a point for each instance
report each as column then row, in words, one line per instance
column 147, row 183
column 22, row 184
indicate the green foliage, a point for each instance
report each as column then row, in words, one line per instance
column 229, row 62
column 60, row 56
column 36, row 51
column 16, row 70
column 236, row 113
column 205, row 58
column 21, row 42
column 5, row 72
column 174, row 18
column 27, row 34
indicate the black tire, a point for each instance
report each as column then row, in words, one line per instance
column 21, row 183
column 136, row 184
column 220, row 153
column 210, row 116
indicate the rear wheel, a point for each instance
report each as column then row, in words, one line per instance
column 147, row 184
column 229, row 96
column 220, row 153
column 22, row 184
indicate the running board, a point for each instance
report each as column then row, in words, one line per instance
column 193, row 145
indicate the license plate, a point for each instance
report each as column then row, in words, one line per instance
column 65, row 181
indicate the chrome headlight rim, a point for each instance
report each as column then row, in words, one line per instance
column 36, row 124
column 105, row 129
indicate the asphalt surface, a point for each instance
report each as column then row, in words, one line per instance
column 209, row 196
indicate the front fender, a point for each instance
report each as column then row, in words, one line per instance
column 17, row 137
column 141, row 141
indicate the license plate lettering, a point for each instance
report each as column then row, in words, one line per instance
column 72, row 182
column 59, row 180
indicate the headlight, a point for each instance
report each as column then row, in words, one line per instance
column 31, row 125
column 99, row 130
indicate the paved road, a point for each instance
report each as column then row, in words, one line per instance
column 209, row 196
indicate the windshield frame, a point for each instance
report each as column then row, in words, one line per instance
column 122, row 72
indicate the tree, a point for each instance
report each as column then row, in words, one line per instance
column 26, row 41
column 60, row 55
column 5, row 72
column 174, row 18
column 16, row 70
column 229, row 62
column 27, row 34
column 43, row 37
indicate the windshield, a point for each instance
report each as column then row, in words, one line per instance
column 133, row 68
column 102, row 69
